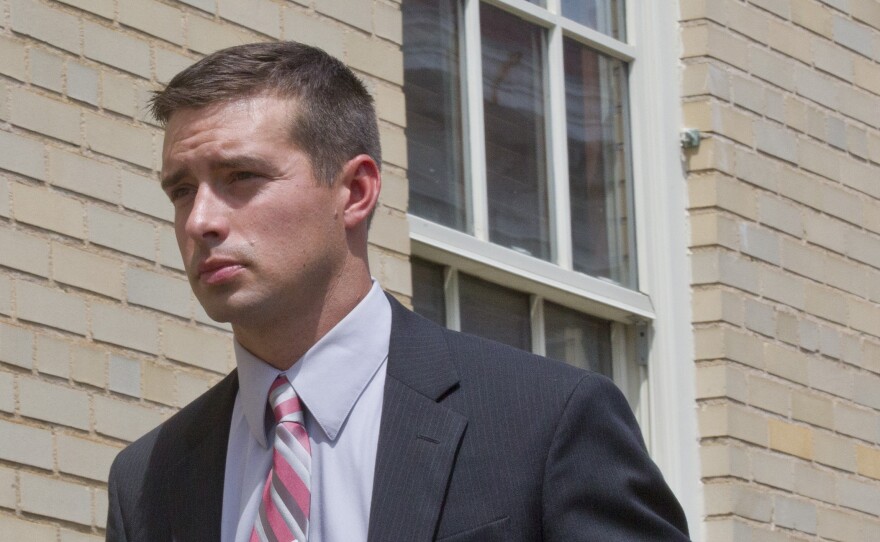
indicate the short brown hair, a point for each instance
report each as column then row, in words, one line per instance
column 334, row 118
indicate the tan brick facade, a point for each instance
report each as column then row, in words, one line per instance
column 786, row 263
column 100, row 338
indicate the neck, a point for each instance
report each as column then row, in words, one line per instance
column 282, row 342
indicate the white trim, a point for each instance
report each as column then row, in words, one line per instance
column 599, row 297
column 536, row 320
column 557, row 150
column 664, row 268
column 475, row 151
column 450, row 296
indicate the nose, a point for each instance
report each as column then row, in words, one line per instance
column 208, row 220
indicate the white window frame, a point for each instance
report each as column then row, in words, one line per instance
column 662, row 393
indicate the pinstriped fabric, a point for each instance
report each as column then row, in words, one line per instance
column 284, row 509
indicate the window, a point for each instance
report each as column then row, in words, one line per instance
column 521, row 192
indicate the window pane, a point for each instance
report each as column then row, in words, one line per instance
column 494, row 312
column 583, row 341
column 606, row 16
column 595, row 101
column 432, row 86
column 428, row 298
column 513, row 105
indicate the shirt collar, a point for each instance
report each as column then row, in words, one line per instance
column 330, row 376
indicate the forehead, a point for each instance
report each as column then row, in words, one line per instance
column 217, row 129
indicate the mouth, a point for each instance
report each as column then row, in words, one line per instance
column 216, row 271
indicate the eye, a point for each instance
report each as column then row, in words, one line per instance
column 179, row 192
column 243, row 176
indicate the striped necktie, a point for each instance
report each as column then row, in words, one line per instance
column 284, row 510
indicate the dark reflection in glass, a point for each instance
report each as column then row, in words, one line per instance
column 494, row 312
column 581, row 340
column 606, row 16
column 428, row 297
column 513, row 106
column 432, row 86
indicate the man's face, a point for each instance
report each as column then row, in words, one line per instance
column 261, row 238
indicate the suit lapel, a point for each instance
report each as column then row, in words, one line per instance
column 195, row 483
column 419, row 436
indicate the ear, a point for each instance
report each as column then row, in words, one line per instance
column 361, row 183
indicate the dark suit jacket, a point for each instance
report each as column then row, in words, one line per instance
column 478, row 442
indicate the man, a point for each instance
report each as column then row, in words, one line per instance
column 349, row 417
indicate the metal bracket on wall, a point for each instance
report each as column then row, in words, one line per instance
column 690, row 138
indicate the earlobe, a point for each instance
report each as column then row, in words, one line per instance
column 363, row 183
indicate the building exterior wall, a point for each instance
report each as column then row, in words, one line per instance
column 100, row 337
column 785, row 236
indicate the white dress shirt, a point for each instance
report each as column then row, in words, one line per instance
column 341, row 381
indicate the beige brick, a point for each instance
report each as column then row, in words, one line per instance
column 159, row 384
column 819, row 159
column 7, row 392
column 808, row 331
column 263, row 16
column 22, row 155
column 841, row 203
column 868, row 461
column 123, row 419
column 143, row 194
column 374, row 57
column 853, row 35
column 773, row 469
column 12, row 58
column 860, row 176
column 357, row 13
column 826, row 303
column 835, row 524
column 724, row 192
column 47, row 209
column 826, row 231
column 761, row 243
column 705, row 78
column 812, row 16
column 829, row 341
column 46, row 24
column 863, row 316
column 84, row 175
column 760, row 317
column 206, row 36
column 865, row 390
column 716, row 304
column 739, row 499
column 748, row 93
column 26, row 445
column 815, row 482
column 169, row 64
column 787, row 328
column 776, row 141
column 190, row 386
column 169, row 252
column 390, row 229
column 863, row 246
column 791, row 439
column 46, row 70
column 205, row 5
column 713, row 229
column 119, row 93
column 779, row 214
column 86, row 458
column 125, row 375
column 708, row 343
column 110, row 46
column 88, row 364
column 100, row 504
column 196, row 347
column 202, row 317
column 857, row 422
column 834, row 450
column 5, row 210
column 812, row 408
column 120, row 140
column 388, row 22
column 789, row 40
column 53, row 356
column 393, row 272
column 829, row 376
column 730, row 420
column 51, row 307
column 8, row 497
column 153, row 18
column 796, row 514
column 724, row 380
column 722, row 460
column 859, row 105
column 713, row 153
column 314, row 30
column 16, row 345
column 117, row 324
column 104, row 8
column 158, row 291
column 19, row 529
column 121, row 232
column 859, row 495
column 785, row 362
column 769, row 394
column 867, row 12
column 25, row 252
column 76, row 536
column 55, row 498
column 85, row 269
column 5, row 295
column 53, row 403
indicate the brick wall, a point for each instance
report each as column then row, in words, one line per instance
column 785, row 223
column 100, row 337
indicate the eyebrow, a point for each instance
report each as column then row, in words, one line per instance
column 233, row 162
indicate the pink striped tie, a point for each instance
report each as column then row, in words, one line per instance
column 284, row 510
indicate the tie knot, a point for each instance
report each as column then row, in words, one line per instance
column 284, row 401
